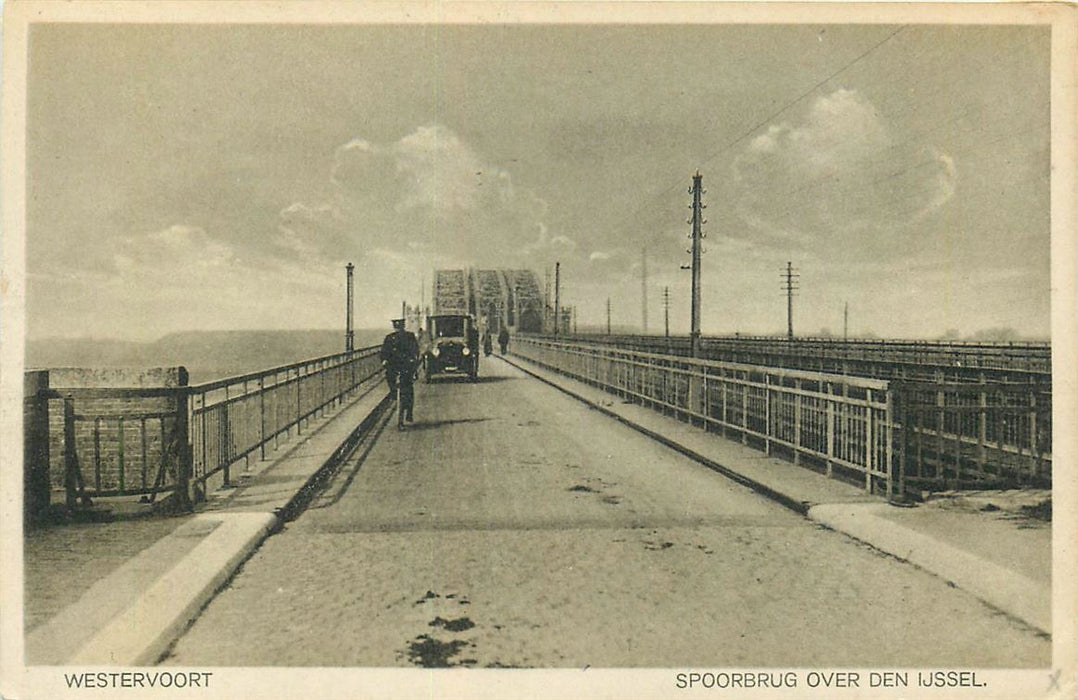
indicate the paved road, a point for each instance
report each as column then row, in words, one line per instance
column 513, row 527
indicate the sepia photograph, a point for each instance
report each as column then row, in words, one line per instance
column 497, row 349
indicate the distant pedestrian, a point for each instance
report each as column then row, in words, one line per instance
column 503, row 339
column 400, row 357
column 488, row 344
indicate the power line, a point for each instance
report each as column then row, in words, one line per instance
column 800, row 97
column 648, row 200
column 856, row 185
column 1015, row 51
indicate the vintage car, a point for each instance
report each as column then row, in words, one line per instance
column 453, row 346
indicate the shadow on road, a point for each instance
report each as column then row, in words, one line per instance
column 370, row 439
column 464, row 380
column 429, row 425
column 496, row 378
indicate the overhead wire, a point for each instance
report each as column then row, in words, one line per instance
column 968, row 112
column 756, row 125
column 881, row 154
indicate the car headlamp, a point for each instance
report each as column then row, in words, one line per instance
column 466, row 351
column 435, row 352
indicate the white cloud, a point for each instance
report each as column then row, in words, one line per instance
column 838, row 175
column 438, row 171
column 429, row 196
column 179, row 251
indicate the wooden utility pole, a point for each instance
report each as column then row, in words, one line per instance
column 546, row 300
column 666, row 309
column 790, row 288
column 846, row 321
column 349, row 333
column 557, row 298
column 608, row 315
column 644, row 286
column 697, row 221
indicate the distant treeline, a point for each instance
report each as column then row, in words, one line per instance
column 207, row 355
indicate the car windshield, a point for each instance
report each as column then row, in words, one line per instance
column 449, row 328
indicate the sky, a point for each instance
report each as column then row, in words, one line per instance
column 187, row 177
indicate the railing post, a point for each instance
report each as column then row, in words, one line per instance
column 97, row 453
column 184, row 455
column 870, row 449
column 246, row 426
column 743, row 395
column 225, row 433
column 889, row 437
column 830, row 430
column 71, row 459
column 941, row 473
column 205, row 417
column 1034, row 449
column 706, row 397
column 120, row 453
column 262, row 418
column 299, row 403
column 725, row 389
column 767, row 413
column 142, row 436
column 797, row 422
column 982, row 428
column 36, row 486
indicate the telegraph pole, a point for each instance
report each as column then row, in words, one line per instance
column 697, row 222
column 608, row 315
column 349, row 334
column 557, row 298
column 666, row 309
column 790, row 288
column 644, row 286
column 846, row 322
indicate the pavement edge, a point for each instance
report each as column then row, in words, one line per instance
column 1008, row 591
column 146, row 629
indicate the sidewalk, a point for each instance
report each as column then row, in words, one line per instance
column 985, row 543
column 119, row 593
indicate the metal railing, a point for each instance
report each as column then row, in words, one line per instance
column 842, row 425
column 883, row 359
column 961, row 433
column 234, row 418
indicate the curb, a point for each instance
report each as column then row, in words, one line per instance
column 303, row 496
column 144, row 630
column 1008, row 591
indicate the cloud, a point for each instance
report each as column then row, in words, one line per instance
column 838, row 172
column 179, row 251
column 428, row 196
column 440, row 172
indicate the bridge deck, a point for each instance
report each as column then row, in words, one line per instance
column 511, row 526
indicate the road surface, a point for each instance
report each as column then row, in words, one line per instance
column 513, row 527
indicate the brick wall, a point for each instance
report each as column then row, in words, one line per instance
column 127, row 424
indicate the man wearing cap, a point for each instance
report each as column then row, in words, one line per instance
column 400, row 357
